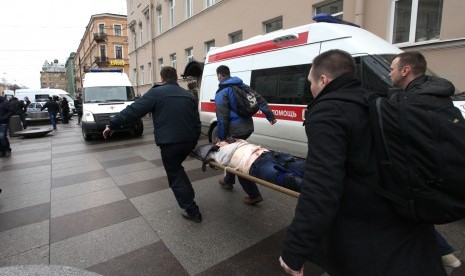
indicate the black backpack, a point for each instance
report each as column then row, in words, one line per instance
column 421, row 155
column 246, row 102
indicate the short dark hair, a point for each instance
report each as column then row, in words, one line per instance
column 169, row 73
column 223, row 70
column 414, row 59
column 334, row 63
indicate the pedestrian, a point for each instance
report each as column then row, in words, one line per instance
column 230, row 124
column 64, row 111
column 78, row 106
column 339, row 223
column 408, row 71
column 177, row 129
column 192, row 86
column 5, row 113
column 52, row 109
column 18, row 108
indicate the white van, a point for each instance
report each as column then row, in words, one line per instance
column 277, row 65
column 42, row 95
column 105, row 93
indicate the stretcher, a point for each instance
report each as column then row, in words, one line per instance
column 215, row 165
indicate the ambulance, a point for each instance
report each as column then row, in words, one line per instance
column 277, row 64
column 105, row 93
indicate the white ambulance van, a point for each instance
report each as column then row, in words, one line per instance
column 277, row 65
column 104, row 94
column 42, row 95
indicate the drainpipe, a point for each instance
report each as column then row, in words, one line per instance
column 359, row 7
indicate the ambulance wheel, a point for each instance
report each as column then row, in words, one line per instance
column 214, row 135
column 139, row 129
column 86, row 136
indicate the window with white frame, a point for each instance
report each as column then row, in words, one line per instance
column 148, row 27
column 235, row 37
column 119, row 51
column 134, row 76
column 189, row 54
column 189, row 8
column 141, row 34
column 173, row 60
column 209, row 3
column 103, row 52
column 160, row 64
column 331, row 7
column 172, row 4
column 274, row 24
column 150, row 72
column 416, row 20
column 101, row 28
column 159, row 21
column 117, row 29
column 142, row 75
column 134, row 40
column 208, row 45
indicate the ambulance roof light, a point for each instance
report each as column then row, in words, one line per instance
column 324, row 17
column 96, row 70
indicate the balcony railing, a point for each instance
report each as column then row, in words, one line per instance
column 100, row 37
column 102, row 61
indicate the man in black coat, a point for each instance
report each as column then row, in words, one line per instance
column 176, row 124
column 6, row 111
column 53, row 109
column 339, row 223
column 430, row 92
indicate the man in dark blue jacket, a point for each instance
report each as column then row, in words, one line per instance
column 177, row 129
column 5, row 113
column 230, row 124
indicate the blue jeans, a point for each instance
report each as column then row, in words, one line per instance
column 53, row 119
column 172, row 156
column 444, row 247
column 4, row 142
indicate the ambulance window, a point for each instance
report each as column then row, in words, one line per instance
column 374, row 73
column 283, row 85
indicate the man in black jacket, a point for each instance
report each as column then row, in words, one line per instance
column 339, row 223
column 177, row 129
column 6, row 111
column 430, row 92
column 53, row 108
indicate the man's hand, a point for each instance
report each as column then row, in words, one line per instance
column 107, row 132
column 289, row 270
column 273, row 122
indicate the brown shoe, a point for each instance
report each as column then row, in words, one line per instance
column 252, row 201
column 225, row 185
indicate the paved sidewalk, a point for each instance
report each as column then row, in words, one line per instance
column 104, row 207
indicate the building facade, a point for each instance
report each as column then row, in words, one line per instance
column 53, row 75
column 103, row 45
column 173, row 32
column 71, row 76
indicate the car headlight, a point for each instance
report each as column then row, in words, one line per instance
column 87, row 116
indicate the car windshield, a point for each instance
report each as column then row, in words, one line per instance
column 108, row 94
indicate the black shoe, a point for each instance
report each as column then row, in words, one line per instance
column 252, row 201
column 195, row 218
column 225, row 185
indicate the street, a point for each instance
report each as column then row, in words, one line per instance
column 105, row 207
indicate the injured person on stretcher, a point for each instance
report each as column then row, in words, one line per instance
column 275, row 167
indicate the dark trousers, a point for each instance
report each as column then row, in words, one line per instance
column 65, row 116
column 444, row 247
column 22, row 116
column 172, row 156
column 248, row 186
column 4, row 142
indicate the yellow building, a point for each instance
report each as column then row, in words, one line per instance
column 104, row 45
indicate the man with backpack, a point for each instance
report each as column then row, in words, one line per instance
column 431, row 93
column 340, row 223
column 235, row 105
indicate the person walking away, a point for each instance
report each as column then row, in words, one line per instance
column 5, row 113
column 64, row 111
column 176, row 124
column 78, row 106
column 339, row 223
column 408, row 72
column 230, row 124
column 52, row 109
column 18, row 108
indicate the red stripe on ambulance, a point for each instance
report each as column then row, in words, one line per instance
column 258, row 48
column 281, row 112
